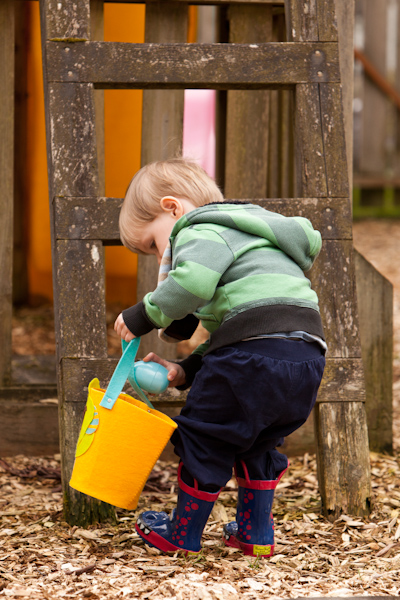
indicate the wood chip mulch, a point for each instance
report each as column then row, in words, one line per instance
column 41, row 556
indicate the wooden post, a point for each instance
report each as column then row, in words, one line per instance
column 375, row 294
column 341, row 427
column 97, row 33
column 20, row 270
column 162, row 134
column 280, row 180
column 78, row 265
column 246, row 162
column 7, row 27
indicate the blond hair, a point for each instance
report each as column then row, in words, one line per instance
column 178, row 177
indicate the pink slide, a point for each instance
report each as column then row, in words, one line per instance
column 199, row 128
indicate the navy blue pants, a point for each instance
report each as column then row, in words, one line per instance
column 244, row 400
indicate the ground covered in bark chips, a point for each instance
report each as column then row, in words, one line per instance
column 41, row 556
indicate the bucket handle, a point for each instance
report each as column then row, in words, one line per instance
column 122, row 372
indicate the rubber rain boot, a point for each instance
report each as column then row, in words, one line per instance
column 184, row 528
column 253, row 530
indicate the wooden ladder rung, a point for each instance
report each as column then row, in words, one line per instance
column 97, row 218
column 218, row 66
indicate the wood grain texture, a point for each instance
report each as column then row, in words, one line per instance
column 6, row 182
column 162, row 134
column 97, row 218
column 343, row 458
column 333, row 279
column 66, row 19
column 343, row 381
column 97, row 33
column 301, row 20
column 80, row 290
column 280, row 179
column 216, row 66
column 246, row 158
column 375, row 307
column 28, row 427
column 311, row 20
column 327, row 21
column 310, row 160
column 81, row 372
column 20, row 287
column 73, row 140
column 334, row 140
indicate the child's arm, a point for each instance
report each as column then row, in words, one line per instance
column 122, row 329
column 200, row 259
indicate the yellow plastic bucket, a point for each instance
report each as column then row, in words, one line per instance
column 121, row 439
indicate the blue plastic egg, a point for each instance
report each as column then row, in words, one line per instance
column 151, row 376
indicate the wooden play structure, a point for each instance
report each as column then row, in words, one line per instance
column 276, row 69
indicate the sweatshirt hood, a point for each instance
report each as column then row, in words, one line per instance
column 295, row 236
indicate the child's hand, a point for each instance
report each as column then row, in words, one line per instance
column 122, row 329
column 176, row 375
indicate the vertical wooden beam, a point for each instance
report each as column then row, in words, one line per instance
column 280, row 180
column 375, row 295
column 246, row 167
column 345, row 19
column 341, row 427
column 97, row 34
column 309, row 143
column 78, row 265
column 20, row 270
column 7, row 33
column 162, row 135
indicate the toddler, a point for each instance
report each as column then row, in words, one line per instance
column 239, row 269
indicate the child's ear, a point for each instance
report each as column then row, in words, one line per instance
column 172, row 205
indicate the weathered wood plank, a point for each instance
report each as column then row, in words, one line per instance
column 217, row 66
column 66, row 19
column 375, row 308
column 334, row 140
column 73, row 140
column 28, row 427
column 342, row 381
column 327, row 22
column 333, row 279
column 97, row 33
column 19, row 393
column 162, row 136
column 345, row 24
column 280, row 181
column 343, row 458
column 81, row 372
column 20, row 290
column 80, row 290
column 301, row 20
column 6, row 182
column 310, row 160
column 78, row 266
column 246, row 157
column 97, row 218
